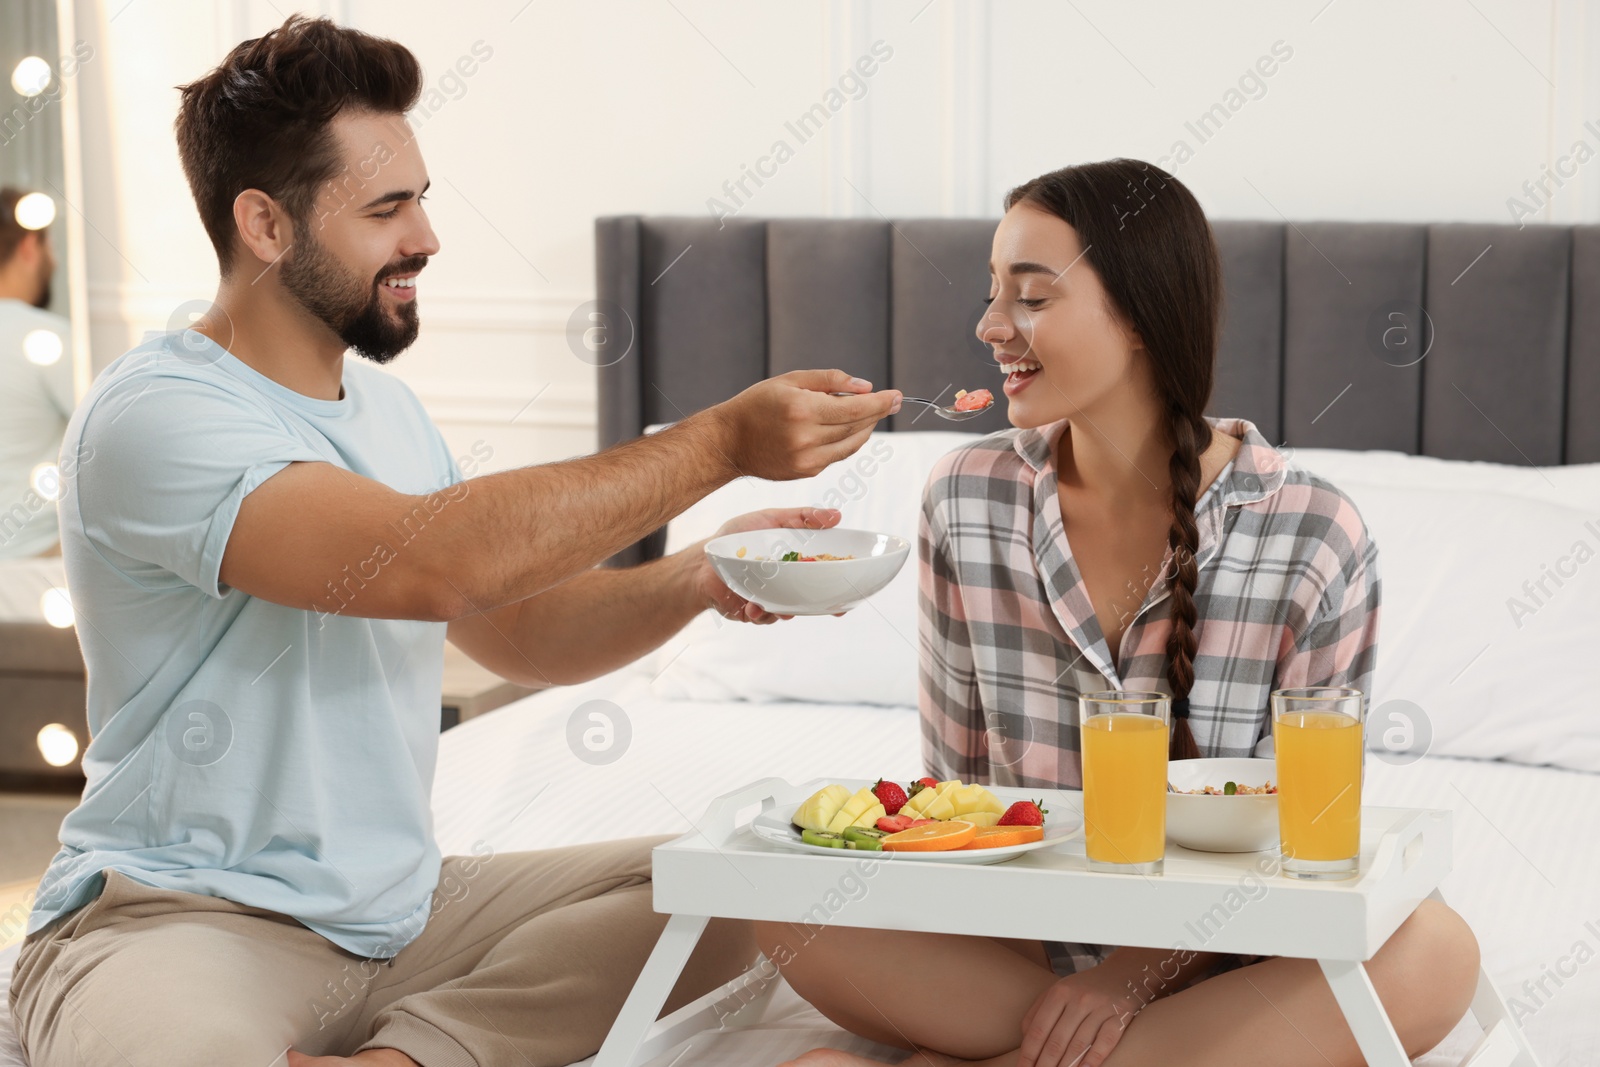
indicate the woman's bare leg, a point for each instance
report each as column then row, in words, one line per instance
column 1282, row 1011
column 902, row 989
column 962, row 995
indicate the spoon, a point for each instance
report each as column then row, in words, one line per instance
column 938, row 409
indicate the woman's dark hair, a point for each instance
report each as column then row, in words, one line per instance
column 1148, row 240
column 260, row 119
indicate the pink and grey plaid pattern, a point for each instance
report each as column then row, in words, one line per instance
column 1288, row 595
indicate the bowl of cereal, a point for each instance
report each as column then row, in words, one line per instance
column 1223, row 805
column 807, row 572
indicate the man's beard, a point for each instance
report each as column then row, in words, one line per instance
column 351, row 307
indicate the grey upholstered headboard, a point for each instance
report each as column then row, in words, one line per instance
column 1324, row 325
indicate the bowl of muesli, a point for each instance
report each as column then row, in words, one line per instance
column 807, row 572
column 1223, row 805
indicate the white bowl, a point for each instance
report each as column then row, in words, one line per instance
column 822, row 587
column 1222, row 824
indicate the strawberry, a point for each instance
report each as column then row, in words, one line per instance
column 927, row 782
column 894, row 823
column 1024, row 813
column 922, row 822
column 890, row 795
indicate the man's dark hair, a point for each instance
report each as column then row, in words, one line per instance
column 11, row 231
column 260, row 120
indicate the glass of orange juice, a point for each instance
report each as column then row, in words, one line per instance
column 1124, row 750
column 1318, row 736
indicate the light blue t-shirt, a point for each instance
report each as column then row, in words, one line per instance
column 279, row 757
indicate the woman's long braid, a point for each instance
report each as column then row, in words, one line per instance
column 1188, row 431
column 1163, row 278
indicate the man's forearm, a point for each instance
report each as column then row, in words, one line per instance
column 604, row 619
column 518, row 533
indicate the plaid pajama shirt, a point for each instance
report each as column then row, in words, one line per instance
column 1287, row 595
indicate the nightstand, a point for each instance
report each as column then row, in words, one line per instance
column 470, row 690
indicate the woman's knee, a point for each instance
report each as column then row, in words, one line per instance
column 811, row 959
column 795, row 947
column 802, row 950
column 1426, row 975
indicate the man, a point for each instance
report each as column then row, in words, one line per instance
column 267, row 545
column 35, row 386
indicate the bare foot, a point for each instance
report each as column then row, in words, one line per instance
column 372, row 1057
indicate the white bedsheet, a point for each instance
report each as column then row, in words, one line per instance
column 1524, row 874
column 1527, row 882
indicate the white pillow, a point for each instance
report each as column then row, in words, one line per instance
column 1492, row 662
column 867, row 656
column 1456, row 542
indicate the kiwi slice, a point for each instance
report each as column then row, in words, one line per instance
column 865, row 838
column 824, row 838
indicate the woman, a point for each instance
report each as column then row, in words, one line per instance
column 1119, row 539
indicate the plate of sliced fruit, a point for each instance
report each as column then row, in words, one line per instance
column 950, row 822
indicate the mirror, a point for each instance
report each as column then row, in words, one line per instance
column 44, row 365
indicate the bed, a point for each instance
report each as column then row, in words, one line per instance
column 1474, row 461
column 492, row 767
column 1511, row 858
column 1454, row 404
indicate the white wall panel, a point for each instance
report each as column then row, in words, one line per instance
column 1425, row 110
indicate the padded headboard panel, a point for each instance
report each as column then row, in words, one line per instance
column 1326, row 343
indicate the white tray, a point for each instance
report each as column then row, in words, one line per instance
column 1215, row 902
column 774, row 825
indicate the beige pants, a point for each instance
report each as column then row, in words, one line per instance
column 526, row 959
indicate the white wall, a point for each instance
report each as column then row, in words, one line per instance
column 1436, row 110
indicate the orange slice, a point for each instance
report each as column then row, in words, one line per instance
column 1001, row 836
column 942, row 836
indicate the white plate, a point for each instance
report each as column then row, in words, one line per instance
column 773, row 826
